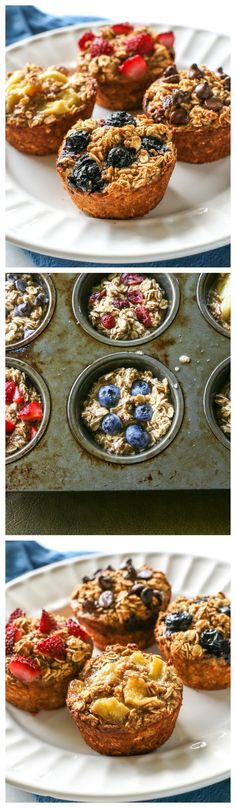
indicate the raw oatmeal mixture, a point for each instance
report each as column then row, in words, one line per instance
column 24, row 410
column 219, row 300
column 223, row 409
column 26, row 305
column 127, row 306
column 128, row 410
column 194, row 97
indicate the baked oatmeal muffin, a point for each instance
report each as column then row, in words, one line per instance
column 117, row 168
column 121, row 605
column 42, row 655
column 195, row 104
column 124, row 60
column 219, row 300
column 42, row 103
column 128, row 410
column 26, row 304
column 194, row 636
column 125, row 702
column 223, row 409
column 127, row 306
column 24, row 410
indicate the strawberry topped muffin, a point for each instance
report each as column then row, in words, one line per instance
column 24, row 410
column 127, row 306
column 121, row 605
column 119, row 167
column 124, row 59
column 195, row 104
column 42, row 655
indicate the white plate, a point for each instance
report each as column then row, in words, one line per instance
column 192, row 217
column 46, row 754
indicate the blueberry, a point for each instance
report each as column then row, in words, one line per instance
column 137, row 437
column 77, row 141
column 141, row 387
column 22, row 309
column 20, row 285
column 111, row 424
column 154, row 144
column 120, row 157
column 86, row 175
column 178, row 621
column 41, row 299
column 214, row 642
column 225, row 610
column 108, row 396
column 120, row 119
column 147, row 595
column 143, row 412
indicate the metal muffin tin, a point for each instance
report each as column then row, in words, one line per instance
column 81, row 292
column 38, row 382
column 205, row 283
column 48, row 286
column 83, row 384
column 218, row 378
column 64, row 350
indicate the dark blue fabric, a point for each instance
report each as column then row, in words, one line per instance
column 23, row 21
column 24, row 556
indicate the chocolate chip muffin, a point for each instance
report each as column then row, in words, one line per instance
column 42, row 655
column 194, row 636
column 42, row 103
column 195, row 104
column 125, row 702
column 124, row 59
column 117, row 168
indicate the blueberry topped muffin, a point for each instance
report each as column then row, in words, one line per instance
column 194, row 636
column 124, row 60
column 117, row 168
column 125, row 702
column 121, row 605
column 42, row 103
column 42, row 655
column 195, row 103
column 127, row 305
column 26, row 303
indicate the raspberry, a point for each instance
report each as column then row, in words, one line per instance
column 130, row 279
column 87, row 37
column 10, row 390
column 9, row 426
column 13, row 634
column 24, row 668
column 96, row 296
column 122, row 28
column 53, row 646
column 142, row 43
column 14, row 615
column 31, row 412
column 144, row 316
column 100, row 46
column 47, row 622
column 75, row 629
column 167, row 39
column 120, row 304
column 108, row 321
column 135, row 296
column 134, row 68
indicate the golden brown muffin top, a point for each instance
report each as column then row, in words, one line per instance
column 197, row 627
column 105, row 53
column 194, row 97
column 40, row 95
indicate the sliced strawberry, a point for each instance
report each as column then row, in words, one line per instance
column 18, row 396
column 96, row 296
column 100, row 46
column 87, row 37
column 9, row 426
column 24, row 668
column 167, row 39
column 141, row 43
column 31, row 412
column 13, row 634
column 143, row 316
column 47, row 622
column 75, row 629
column 122, row 28
column 131, row 279
column 134, row 68
column 135, row 296
column 34, row 431
column 108, row 321
column 53, row 646
column 10, row 390
column 14, row 615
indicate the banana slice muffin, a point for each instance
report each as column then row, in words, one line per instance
column 117, row 168
column 124, row 59
column 42, row 103
column 127, row 306
column 195, row 104
column 42, row 655
column 125, row 702
column 121, row 605
column 194, row 636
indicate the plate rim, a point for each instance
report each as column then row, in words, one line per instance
column 13, row 779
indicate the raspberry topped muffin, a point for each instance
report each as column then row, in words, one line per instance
column 121, row 605
column 194, row 636
column 127, row 306
column 23, row 410
column 125, row 702
column 195, row 103
column 42, row 103
column 26, row 304
column 124, row 60
column 42, row 655
column 117, row 168
column 223, row 409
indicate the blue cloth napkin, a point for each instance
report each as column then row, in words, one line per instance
column 23, row 21
column 24, row 556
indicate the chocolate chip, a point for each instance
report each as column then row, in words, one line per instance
column 180, row 95
column 86, row 579
column 130, row 574
column 167, row 101
column 144, row 574
column 146, row 595
column 105, row 582
column 106, row 599
column 227, row 83
column 214, row 103
column 179, row 117
column 128, row 563
column 28, row 333
column 136, row 589
column 203, row 90
column 109, row 567
column 220, row 70
column 158, row 595
column 171, row 70
column 20, row 285
column 173, row 79
column 195, row 72
column 88, row 605
column 158, row 115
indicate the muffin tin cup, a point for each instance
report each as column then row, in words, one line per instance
column 216, row 381
column 205, row 283
column 83, row 384
column 50, row 290
column 82, row 290
column 38, row 382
